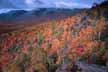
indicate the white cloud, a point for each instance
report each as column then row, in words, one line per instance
column 58, row 4
column 29, row 2
column 48, row 3
column 71, row 5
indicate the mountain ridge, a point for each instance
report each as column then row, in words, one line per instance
column 16, row 15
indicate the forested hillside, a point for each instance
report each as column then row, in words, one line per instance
column 56, row 46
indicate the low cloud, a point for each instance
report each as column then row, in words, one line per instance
column 71, row 5
column 57, row 4
column 32, row 2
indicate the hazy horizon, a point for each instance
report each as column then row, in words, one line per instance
column 8, row 5
column 23, row 4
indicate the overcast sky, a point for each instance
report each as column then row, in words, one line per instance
column 47, row 3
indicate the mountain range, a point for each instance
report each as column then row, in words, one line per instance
column 37, row 15
column 22, row 18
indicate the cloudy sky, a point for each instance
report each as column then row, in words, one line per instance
column 47, row 3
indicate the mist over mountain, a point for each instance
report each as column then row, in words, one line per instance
column 32, row 4
column 37, row 15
